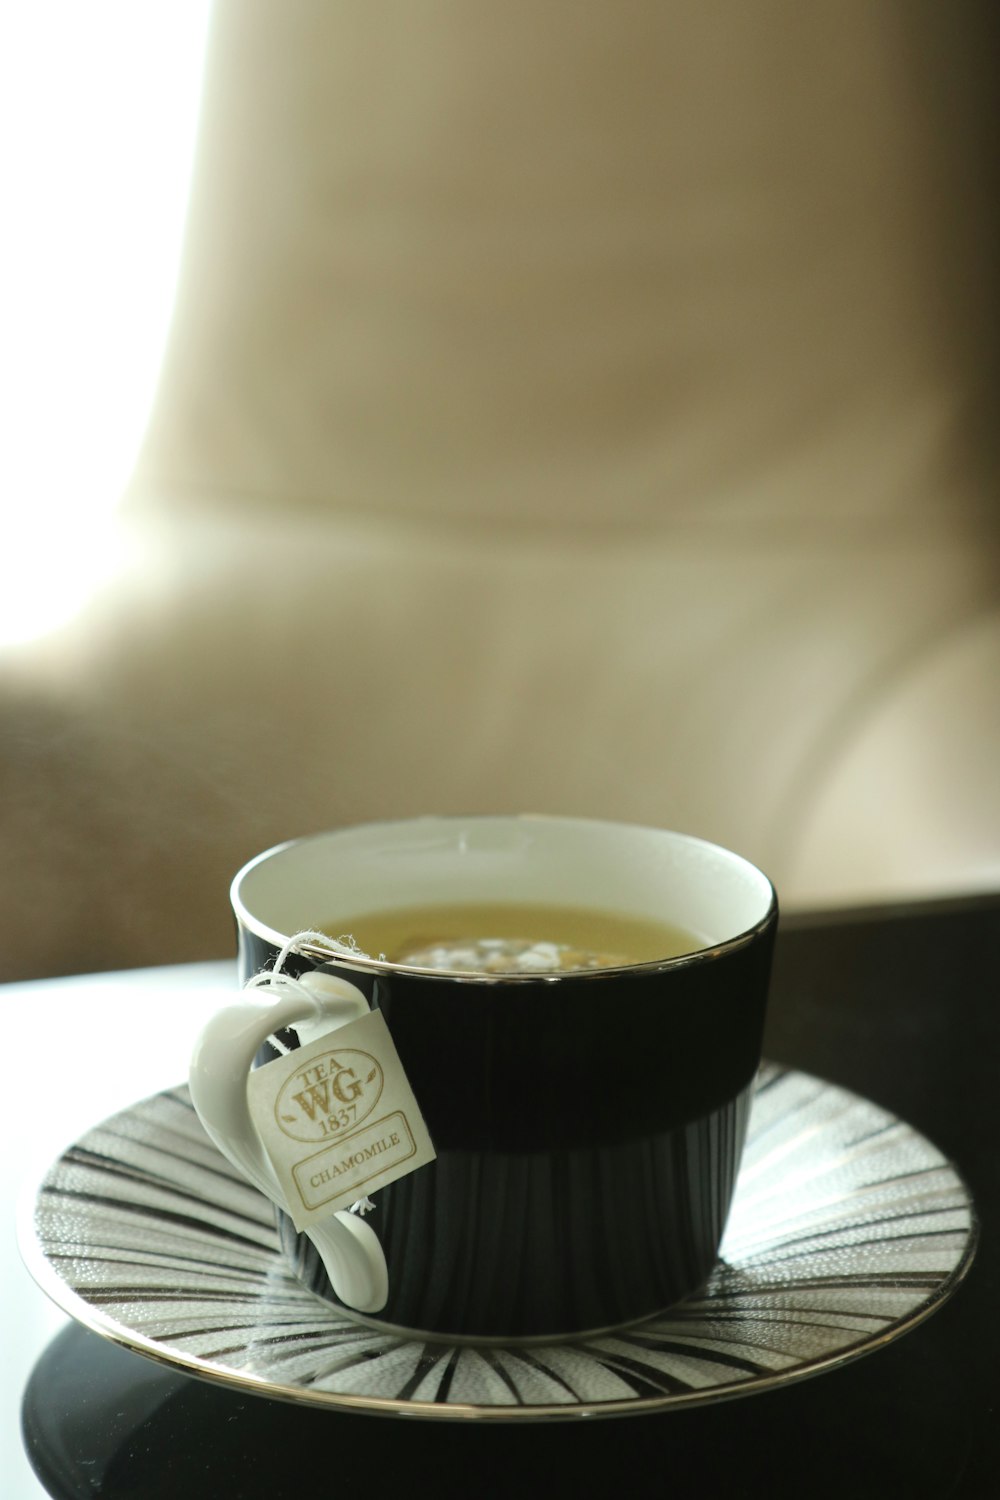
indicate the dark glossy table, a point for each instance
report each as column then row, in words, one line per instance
column 898, row 1004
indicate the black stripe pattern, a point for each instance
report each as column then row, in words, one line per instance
column 847, row 1229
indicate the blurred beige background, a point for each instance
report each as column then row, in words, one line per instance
column 570, row 408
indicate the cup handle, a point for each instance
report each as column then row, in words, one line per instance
column 222, row 1058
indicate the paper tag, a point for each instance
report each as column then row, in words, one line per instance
column 338, row 1119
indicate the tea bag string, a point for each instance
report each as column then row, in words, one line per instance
column 308, row 944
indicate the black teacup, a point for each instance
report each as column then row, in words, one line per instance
column 588, row 1122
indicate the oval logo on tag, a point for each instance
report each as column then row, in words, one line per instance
column 333, row 1092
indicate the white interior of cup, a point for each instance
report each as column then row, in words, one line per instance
column 621, row 868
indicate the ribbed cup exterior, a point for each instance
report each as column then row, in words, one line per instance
column 588, row 1133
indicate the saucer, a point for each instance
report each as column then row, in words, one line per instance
column 848, row 1228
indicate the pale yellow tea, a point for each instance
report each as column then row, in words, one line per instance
column 511, row 938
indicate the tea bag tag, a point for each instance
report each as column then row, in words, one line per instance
column 337, row 1118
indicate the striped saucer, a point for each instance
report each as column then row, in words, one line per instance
column 848, row 1228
